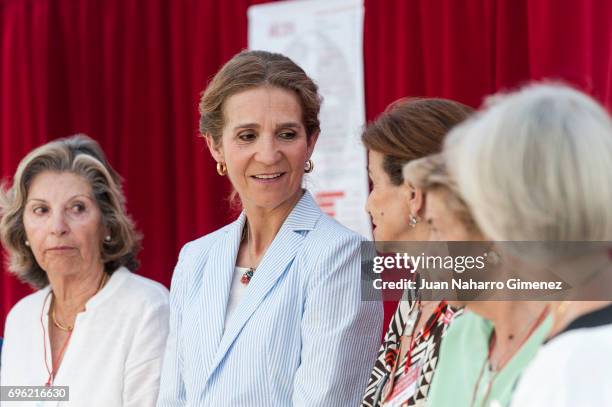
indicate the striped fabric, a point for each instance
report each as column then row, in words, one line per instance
column 424, row 354
column 301, row 334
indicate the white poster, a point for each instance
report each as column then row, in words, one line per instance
column 325, row 37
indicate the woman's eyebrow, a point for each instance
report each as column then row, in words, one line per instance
column 246, row 126
column 69, row 199
column 288, row 124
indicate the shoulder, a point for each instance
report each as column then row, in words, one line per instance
column 546, row 379
column 582, row 348
column 331, row 253
column 28, row 307
column 201, row 245
column 143, row 289
column 192, row 257
column 331, row 234
column 132, row 296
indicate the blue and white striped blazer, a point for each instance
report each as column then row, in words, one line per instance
column 301, row 334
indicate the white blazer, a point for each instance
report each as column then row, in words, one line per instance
column 301, row 334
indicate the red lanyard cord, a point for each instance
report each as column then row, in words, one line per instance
column 52, row 372
column 433, row 320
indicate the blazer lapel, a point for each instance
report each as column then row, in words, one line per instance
column 275, row 263
column 214, row 293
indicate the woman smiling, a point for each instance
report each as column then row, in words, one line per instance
column 267, row 311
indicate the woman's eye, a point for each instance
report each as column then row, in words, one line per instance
column 246, row 136
column 39, row 210
column 78, row 208
column 288, row 135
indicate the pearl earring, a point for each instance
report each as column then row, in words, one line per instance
column 27, row 243
column 413, row 221
column 107, row 238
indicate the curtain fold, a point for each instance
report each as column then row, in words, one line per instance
column 129, row 74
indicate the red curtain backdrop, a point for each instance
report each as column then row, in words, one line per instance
column 129, row 72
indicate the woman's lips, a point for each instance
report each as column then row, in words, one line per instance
column 60, row 249
column 268, row 178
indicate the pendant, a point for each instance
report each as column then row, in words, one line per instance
column 246, row 277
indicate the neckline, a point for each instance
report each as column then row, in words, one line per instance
column 114, row 281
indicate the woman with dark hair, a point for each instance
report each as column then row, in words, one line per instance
column 267, row 311
column 409, row 129
column 93, row 325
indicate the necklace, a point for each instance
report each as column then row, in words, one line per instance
column 55, row 364
column 500, row 366
column 69, row 328
column 248, row 274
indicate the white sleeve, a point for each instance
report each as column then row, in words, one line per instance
column 144, row 361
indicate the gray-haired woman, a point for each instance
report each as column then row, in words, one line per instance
column 93, row 325
column 536, row 165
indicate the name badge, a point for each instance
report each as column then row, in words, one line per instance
column 404, row 387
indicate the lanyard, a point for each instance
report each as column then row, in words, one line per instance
column 53, row 371
column 425, row 331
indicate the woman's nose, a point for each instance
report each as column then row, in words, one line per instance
column 268, row 152
column 59, row 226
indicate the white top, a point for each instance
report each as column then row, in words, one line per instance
column 573, row 369
column 236, row 293
column 114, row 355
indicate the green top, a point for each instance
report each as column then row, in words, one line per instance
column 463, row 354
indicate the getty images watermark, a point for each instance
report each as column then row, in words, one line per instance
column 473, row 271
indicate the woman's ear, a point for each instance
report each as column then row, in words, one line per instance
column 416, row 199
column 310, row 142
column 215, row 150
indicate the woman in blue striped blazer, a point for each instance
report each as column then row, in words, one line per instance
column 267, row 310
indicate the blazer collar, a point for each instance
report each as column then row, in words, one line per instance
column 304, row 215
column 273, row 265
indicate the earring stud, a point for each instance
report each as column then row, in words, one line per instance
column 27, row 243
column 412, row 221
column 107, row 238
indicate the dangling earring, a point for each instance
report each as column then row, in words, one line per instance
column 309, row 166
column 412, row 221
column 492, row 257
column 221, row 169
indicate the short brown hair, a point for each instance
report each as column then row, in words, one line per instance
column 412, row 128
column 250, row 69
column 82, row 156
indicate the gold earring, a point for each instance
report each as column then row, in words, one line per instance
column 221, row 169
column 309, row 166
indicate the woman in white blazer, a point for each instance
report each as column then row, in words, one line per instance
column 267, row 311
